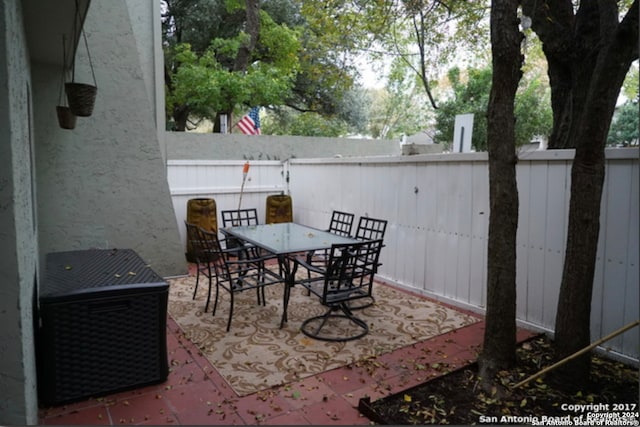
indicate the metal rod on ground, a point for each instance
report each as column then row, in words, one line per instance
column 578, row 353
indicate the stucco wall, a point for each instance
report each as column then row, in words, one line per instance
column 104, row 183
column 18, row 246
column 209, row 146
column 148, row 36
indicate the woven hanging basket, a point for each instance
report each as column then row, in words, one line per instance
column 81, row 97
column 66, row 119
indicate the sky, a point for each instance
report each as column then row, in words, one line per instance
column 371, row 79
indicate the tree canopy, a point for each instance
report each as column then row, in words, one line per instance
column 207, row 77
column 332, row 37
column 288, row 60
column 304, row 66
column 625, row 124
column 532, row 110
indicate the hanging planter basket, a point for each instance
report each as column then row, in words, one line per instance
column 66, row 119
column 82, row 96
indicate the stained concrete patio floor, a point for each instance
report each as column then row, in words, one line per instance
column 195, row 393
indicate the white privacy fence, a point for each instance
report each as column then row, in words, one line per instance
column 438, row 212
column 222, row 181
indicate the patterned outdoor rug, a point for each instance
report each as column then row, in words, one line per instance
column 256, row 354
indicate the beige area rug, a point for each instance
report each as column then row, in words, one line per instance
column 256, row 354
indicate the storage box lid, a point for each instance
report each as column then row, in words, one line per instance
column 81, row 271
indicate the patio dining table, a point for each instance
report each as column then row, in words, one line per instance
column 284, row 240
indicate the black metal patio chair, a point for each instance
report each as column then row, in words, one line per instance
column 201, row 257
column 239, row 218
column 341, row 224
column 235, row 275
column 370, row 228
column 348, row 276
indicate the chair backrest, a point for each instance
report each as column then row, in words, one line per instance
column 212, row 249
column 371, row 228
column 193, row 242
column 239, row 217
column 350, row 271
column 341, row 223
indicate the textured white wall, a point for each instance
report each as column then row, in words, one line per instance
column 104, row 183
column 18, row 244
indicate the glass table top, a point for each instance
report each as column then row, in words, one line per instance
column 287, row 237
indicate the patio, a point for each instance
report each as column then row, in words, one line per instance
column 196, row 393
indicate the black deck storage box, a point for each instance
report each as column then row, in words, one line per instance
column 103, row 317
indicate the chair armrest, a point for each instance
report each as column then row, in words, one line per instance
column 225, row 251
column 245, row 261
column 304, row 263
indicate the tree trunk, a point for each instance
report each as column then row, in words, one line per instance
column 559, row 49
column 179, row 113
column 500, row 331
column 253, row 28
column 589, row 54
column 618, row 49
column 180, row 117
column 217, row 124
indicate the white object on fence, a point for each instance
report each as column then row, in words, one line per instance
column 462, row 131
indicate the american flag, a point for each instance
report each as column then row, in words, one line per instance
column 250, row 123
